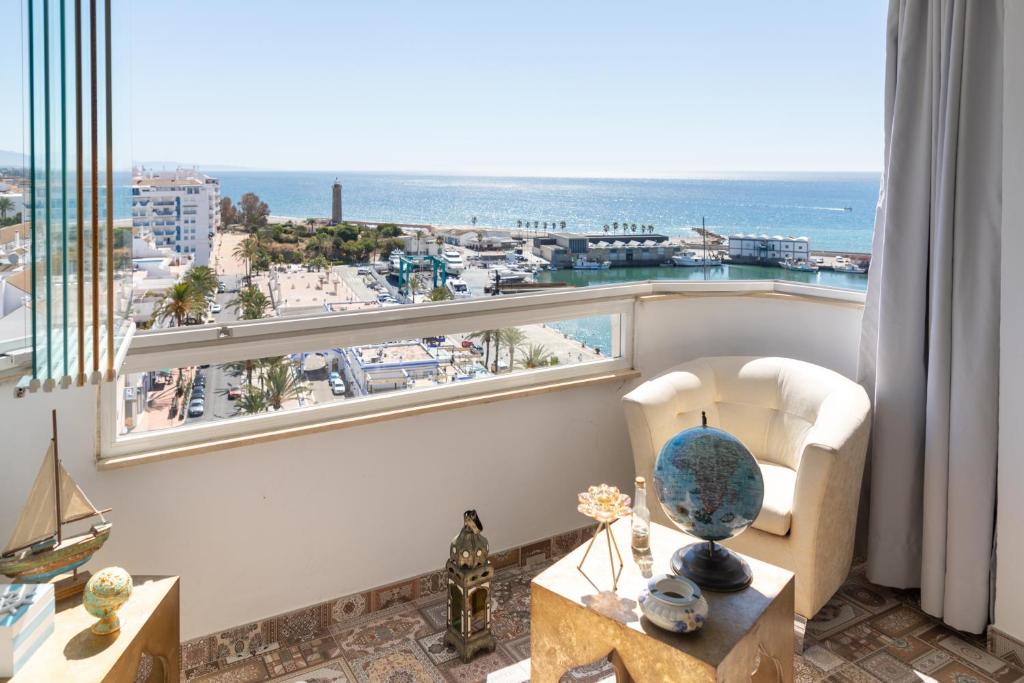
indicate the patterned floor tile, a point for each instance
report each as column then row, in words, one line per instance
column 350, row 607
column 518, row 649
column 836, row 615
column 884, row 666
column 477, row 669
column 805, row 672
column 909, row 649
column 535, row 553
column 989, row 665
column 823, row 659
column 437, row 649
column 331, row 672
column 851, row 674
column 284, row 660
column 958, row 672
column 249, row 671
column 402, row 662
column 397, row 593
column 874, row 599
column 899, row 621
column 857, row 642
column 931, row 662
column 319, row 650
column 374, row 635
column 436, row 614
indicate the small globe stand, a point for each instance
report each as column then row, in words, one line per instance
column 712, row 566
column 710, row 486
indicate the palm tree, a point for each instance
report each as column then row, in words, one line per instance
column 440, row 294
column 310, row 222
column 514, row 338
column 606, row 228
column 634, row 228
column 5, row 205
column 281, row 384
column 486, row 337
column 203, row 279
column 615, row 226
column 519, row 224
column 251, row 303
column 180, row 301
column 248, row 250
column 536, row 356
column 251, row 402
column 561, row 224
column 318, row 245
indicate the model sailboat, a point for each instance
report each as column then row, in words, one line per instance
column 38, row 550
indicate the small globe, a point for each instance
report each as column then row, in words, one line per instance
column 708, row 483
column 104, row 594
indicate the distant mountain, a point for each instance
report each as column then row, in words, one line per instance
column 8, row 158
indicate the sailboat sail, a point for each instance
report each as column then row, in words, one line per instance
column 38, row 518
column 74, row 505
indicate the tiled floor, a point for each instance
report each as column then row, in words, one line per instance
column 865, row 633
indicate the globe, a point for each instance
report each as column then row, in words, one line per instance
column 708, row 483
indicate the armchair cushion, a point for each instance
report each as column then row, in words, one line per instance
column 777, row 511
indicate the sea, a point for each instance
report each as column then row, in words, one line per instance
column 834, row 210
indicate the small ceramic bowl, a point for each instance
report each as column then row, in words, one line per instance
column 674, row 603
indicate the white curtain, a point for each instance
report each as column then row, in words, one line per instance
column 929, row 351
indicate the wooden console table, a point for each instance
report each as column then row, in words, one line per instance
column 149, row 625
column 577, row 620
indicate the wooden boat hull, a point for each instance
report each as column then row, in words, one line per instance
column 71, row 554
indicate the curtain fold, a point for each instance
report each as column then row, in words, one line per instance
column 929, row 350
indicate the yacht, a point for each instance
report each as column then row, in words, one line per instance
column 581, row 263
column 845, row 265
column 453, row 261
column 690, row 259
column 799, row 265
column 395, row 258
column 458, row 288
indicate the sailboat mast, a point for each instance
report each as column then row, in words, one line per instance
column 56, row 478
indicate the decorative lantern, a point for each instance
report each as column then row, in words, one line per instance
column 469, row 590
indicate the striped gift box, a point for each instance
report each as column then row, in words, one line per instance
column 26, row 620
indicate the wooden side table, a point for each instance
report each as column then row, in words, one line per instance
column 575, row 619
column 149, row 624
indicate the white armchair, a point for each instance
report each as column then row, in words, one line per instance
column 808, row 428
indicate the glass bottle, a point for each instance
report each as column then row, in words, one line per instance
column 641, row 522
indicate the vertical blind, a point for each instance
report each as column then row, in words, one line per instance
column 80, row 256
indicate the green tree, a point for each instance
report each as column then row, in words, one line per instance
column 180, row 301
column 202, row 279
column 228, row 212
column 253, row 212
column 319, row 263
column 248, row 250
column 5, row 205
column 251, row 303
column 486, row 337
column 536, row 356
column 513, row 338
column 441, row 294
column 281, row 384
column 251, row 402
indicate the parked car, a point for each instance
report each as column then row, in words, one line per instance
column 338, row 388
column 215, row 308
column 221, row 287
column 196, row 407
column 234, row 392
column 198, row 391
column 334, row 377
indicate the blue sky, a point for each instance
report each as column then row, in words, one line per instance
column 647, row 89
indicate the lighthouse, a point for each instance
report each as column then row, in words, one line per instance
column 336, row 202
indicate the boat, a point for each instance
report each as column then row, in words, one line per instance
column 690, row 259
column 395, row 259
column 582, row 263
column 38, row 550
column 799, row 265
column 845, row 265
column 458, row 288
column 507, row 275
column 453, row 261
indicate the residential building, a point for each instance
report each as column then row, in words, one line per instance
column 180, row 208
column 392, row 366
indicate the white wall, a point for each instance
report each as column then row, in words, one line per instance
column 261, row 530
column 1009, row 602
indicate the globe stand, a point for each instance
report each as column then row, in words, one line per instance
column 712, row 566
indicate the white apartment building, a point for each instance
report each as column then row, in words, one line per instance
column 181, row 209
column 765, row 249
